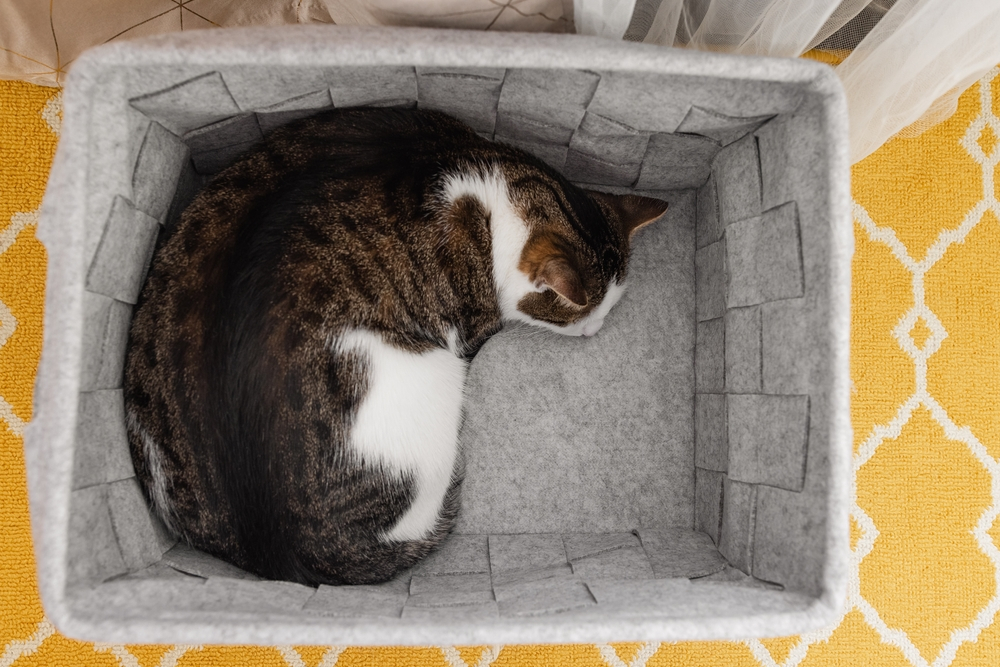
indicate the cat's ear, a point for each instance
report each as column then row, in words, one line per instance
column 549, row 267
column 631, row 212
column 561, row 278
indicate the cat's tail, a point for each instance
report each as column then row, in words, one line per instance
column 350, row 557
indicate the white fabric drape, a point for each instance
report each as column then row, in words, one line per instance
column 906, row 60
column 901, row 77
column 606, row 18
column 914, row 64
column 759, row 27
column 518, row 15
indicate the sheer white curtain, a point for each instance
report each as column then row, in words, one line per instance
column 908, row 62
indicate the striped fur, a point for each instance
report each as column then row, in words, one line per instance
column 298, row 354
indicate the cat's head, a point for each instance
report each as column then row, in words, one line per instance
column 560, row 253
column 576, row 254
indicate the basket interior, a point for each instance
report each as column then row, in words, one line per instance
column 672, row 465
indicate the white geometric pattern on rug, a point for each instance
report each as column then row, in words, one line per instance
column 922, row 397
column 642, row 656
column 17, row 649
column 486, row 658
column 879, row 433
column 8, row 324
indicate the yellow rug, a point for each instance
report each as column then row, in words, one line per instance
column 925, row 587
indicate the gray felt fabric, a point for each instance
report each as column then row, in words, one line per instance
column 710, row 278
column 676, row 161
column 525, row 552
column 239, row 129
column 214, row 161
column 105, row 333
column 158, row 165
column 738, row 513
column 135, row 136
column 257, row 597
column 775, row 146
column 373, row 86
column 720, row 127
column 732, row 575
column 511, row 128
column 711, row 432
column 784, row 544
column 254, row 87
column 737, row 178
column 708, row 502
column 160, row 571
column 126, row 248
column 543, row 105
column 637, row 597
column 767, row 439
column 582, row 545
column 469, row 94
column 303, row 106
column 680, row 553
column 450, row 583
column 709, row 227
column 102, row 453
column 215, row 146
column 553, row 155
column 610, row 141
column 632, row 453
column 547, row 596
column 448, row 598
column 586, row 168
column 189, row 104
column 94, row 554
column 464, row 613
column 786, row 347
column 125, row 597
column 142, row 538
column 185, row 559
column 530, row 574
column 112, row 155
column 709, row 359
column 625, row 563
column 743, row 353
column 313, row 101
column 459, row 554
column 764, row 258
column 563, row 438
column 622, row 96
column 189, row 183
column 355, row 601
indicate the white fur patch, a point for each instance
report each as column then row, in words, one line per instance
column 151, row 452
column 594, row 320
column 408, row 421
column 509, row 233
column 589, row 325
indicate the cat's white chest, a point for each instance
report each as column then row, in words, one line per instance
column 408, row 422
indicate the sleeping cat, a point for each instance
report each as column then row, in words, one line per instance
column 297, row 357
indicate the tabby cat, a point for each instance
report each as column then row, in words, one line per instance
column 297, row 357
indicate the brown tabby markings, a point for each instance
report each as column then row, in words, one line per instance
column 230, row 370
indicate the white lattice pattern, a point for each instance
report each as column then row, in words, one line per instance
column 920, row 314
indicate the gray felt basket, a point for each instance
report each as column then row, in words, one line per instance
column 683, row 474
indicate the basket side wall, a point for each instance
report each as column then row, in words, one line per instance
column 159, row 129
column 763, row 361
